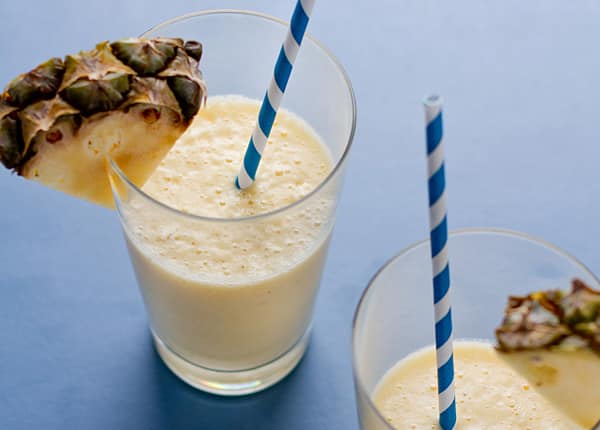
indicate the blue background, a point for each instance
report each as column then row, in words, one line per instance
column 520, row 81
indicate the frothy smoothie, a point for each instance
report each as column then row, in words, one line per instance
column 232, row 295
column 489, row 394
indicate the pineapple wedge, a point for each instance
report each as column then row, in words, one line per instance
column 552, row 338
column 128, row 101
column 567, row 379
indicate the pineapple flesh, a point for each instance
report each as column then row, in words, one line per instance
column 552, row 338
column 128, row 101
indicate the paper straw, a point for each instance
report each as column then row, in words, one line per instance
column 439, row 261
column 274, row 94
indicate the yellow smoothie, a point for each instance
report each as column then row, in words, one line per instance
column 233, row 295
column 489, row 393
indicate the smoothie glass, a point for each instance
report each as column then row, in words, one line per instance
column 395, row 315
column 237, row 337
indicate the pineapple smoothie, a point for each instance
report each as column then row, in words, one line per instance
column 222, row 294
column 489, row 393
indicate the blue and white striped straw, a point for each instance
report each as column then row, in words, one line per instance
column 272, row 100
column 439, row 261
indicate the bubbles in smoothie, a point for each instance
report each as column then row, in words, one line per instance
column 197, row 177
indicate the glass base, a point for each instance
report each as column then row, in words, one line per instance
column 233, row 383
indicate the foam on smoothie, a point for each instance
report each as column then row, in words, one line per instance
column 197, row 177
column 489, row 394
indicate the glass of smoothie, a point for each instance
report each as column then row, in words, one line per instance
column 229, row 278
column 394, row 362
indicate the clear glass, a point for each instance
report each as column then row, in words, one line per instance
column 395, row 315
column 240, row 337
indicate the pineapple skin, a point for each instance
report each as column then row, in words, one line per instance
column 128, row 101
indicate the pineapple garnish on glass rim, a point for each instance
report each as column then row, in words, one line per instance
column 552, row 338
column 128, row 101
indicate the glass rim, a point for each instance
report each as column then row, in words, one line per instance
column 336, row 168
column 360, row 386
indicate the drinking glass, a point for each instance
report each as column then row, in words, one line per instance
column 395, row 315
column 233, row 338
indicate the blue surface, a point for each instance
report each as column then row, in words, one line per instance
column 521, row 90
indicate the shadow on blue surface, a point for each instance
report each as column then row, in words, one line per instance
column 179, row 406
